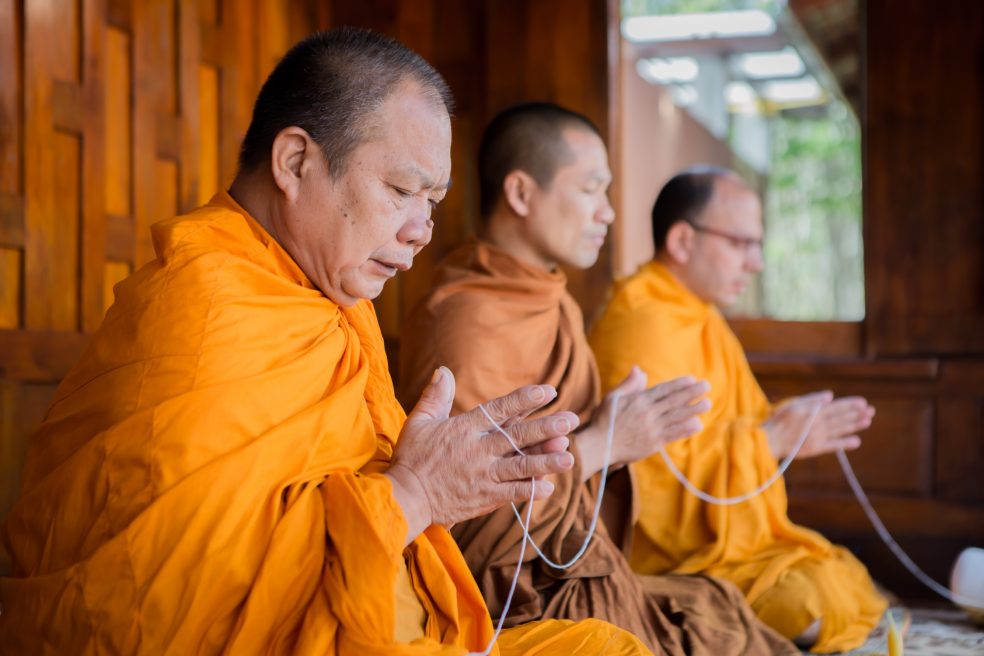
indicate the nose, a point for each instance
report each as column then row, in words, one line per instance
column 753, row 259
column 418, row 228
column 606, row 214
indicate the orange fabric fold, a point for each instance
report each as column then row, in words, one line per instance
column 208, row 478
column 790, row 574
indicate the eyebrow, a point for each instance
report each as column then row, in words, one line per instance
column 424, row 179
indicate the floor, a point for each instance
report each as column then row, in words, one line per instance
column 928, row 632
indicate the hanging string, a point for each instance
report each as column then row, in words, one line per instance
column 529, row 516
column 730, row 501
column 890, row 542
column 862, row 498
column 609, row 440
column 515, row 579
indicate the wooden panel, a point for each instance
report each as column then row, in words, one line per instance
column 38, row 356
column 11, row 220
column 61, row 268
column 117, row 176
column 208, row 117
column 924, row 211
column 815, row 338
column 10, row 273
column 896, row 456
column 21, row 410
column 11, row 94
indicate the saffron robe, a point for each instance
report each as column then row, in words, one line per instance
column 498, row 324
column 791, row 575
column 209, row 479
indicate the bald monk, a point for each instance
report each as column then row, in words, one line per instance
column 227, row 469
column 707, row 227
column 499, row 314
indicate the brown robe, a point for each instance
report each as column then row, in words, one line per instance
column 498, row 324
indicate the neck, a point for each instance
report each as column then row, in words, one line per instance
column 254, row 194
column 505, row 232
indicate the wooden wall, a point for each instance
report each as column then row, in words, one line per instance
column 918, row 354
column 118, row 113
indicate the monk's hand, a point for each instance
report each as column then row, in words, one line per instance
column 446, row 470
column 836, row 426
column 645, row 420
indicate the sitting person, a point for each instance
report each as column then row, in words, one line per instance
column 499, row 314
column 227, row 469
column 707, row 227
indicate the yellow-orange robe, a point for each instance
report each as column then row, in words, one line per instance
column 209, row 478
column 499, row 323
column 791, row 575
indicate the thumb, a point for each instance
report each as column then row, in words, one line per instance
column 634, row 382
column 436, row 399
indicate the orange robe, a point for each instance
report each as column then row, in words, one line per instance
column 499, row 323
column 791, row 575
column 209, row 478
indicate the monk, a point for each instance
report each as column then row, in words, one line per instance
column 499, row 314
column 707, row 227
column 227, row 469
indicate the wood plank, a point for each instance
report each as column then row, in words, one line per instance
column 92, row 240
column 119, row 238
column 66, row 101
column 40, row 223
column 39, row 356
column 208, row 125
column 814, row 338
column 11, row 221
column 11, row 95
column 11, row 267
column 119, row 15
column 189, row 119
column 960, row 449
column 118, row 121
column 880, row 369
column 65, row 40
column 61, row 271
column 168, row 136
column 21, row 409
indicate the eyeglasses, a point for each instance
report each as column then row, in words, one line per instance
column 746, row 244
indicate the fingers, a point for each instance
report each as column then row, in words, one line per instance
column 634, row 382
column 518, row 468
column 534, row 431
column 681, row 398
column 519, row 402
column 555, row 445
column 436, row 399
column 667, row 388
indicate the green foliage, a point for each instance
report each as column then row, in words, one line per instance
column 813, row 247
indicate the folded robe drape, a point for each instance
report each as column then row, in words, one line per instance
column 790, row 574
column 498, row 324
column 208, row 477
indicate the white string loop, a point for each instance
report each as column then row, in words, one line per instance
column 529, row 515
column 730, row 501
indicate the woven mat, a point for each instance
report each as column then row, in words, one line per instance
column 930, row 632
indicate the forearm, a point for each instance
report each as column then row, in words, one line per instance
column 590, row 443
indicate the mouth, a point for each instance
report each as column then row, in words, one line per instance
column 389, row 268
column 598, row 240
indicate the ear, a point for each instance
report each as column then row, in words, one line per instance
column 291, row 159
column 680, row 242
column 517, row 189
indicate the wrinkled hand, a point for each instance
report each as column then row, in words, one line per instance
column 449, row 470
column 835, row 427
column 646, row 419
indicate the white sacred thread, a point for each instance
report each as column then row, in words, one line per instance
column 609, row 440
column 730, row 501
column 529, row 517
column 890, row 542
column 512, row 586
